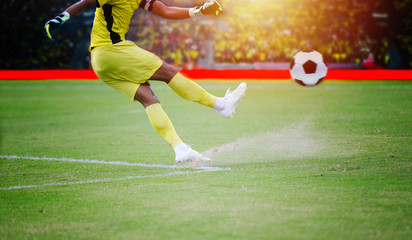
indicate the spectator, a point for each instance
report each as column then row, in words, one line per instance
column 249, row 31
column 369, row 62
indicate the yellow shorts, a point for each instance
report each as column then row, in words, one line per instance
column 124, row 66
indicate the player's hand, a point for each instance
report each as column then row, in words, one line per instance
column 55, row 23
column 208, row 8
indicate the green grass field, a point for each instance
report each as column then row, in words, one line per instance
column 327, row 162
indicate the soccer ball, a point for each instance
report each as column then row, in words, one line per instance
column 308, row 68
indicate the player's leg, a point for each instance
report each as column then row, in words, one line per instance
column 184, row 87
column 191, row 91
column 162, row 124
column 126, row 68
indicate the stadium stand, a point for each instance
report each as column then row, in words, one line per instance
column 249, row 31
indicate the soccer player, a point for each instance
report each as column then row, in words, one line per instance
column 128, row 68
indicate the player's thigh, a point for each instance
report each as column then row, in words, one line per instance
column 125, row 61
column 124, row 66
column 140, row 65
column 165, row 73
column 126, row 87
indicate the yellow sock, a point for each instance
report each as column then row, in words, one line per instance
column 162, row 124
column 189, row 90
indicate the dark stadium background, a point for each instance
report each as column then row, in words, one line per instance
column 250, row 34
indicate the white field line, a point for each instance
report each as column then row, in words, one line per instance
column 199, row 170
column 106, row 180
column 107, row 162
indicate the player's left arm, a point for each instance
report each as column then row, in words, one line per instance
column 160, row 9
column 71, row 11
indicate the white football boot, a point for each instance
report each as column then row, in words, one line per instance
column 189, row 155
column 232, row 98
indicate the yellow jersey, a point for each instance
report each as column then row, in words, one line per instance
column 112, row 20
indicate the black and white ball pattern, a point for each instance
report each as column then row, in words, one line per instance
column 308, row 68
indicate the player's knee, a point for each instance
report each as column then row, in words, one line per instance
column 165, row 73
column 145, row 98
column 169, row 72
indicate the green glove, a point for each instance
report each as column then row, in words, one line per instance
column 55, row 23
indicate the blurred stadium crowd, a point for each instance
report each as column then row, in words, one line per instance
column 368, row 33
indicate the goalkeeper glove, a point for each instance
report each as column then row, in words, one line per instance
column 210, row 7
column 55, row 23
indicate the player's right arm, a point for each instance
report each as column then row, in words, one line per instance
column 71, row 11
